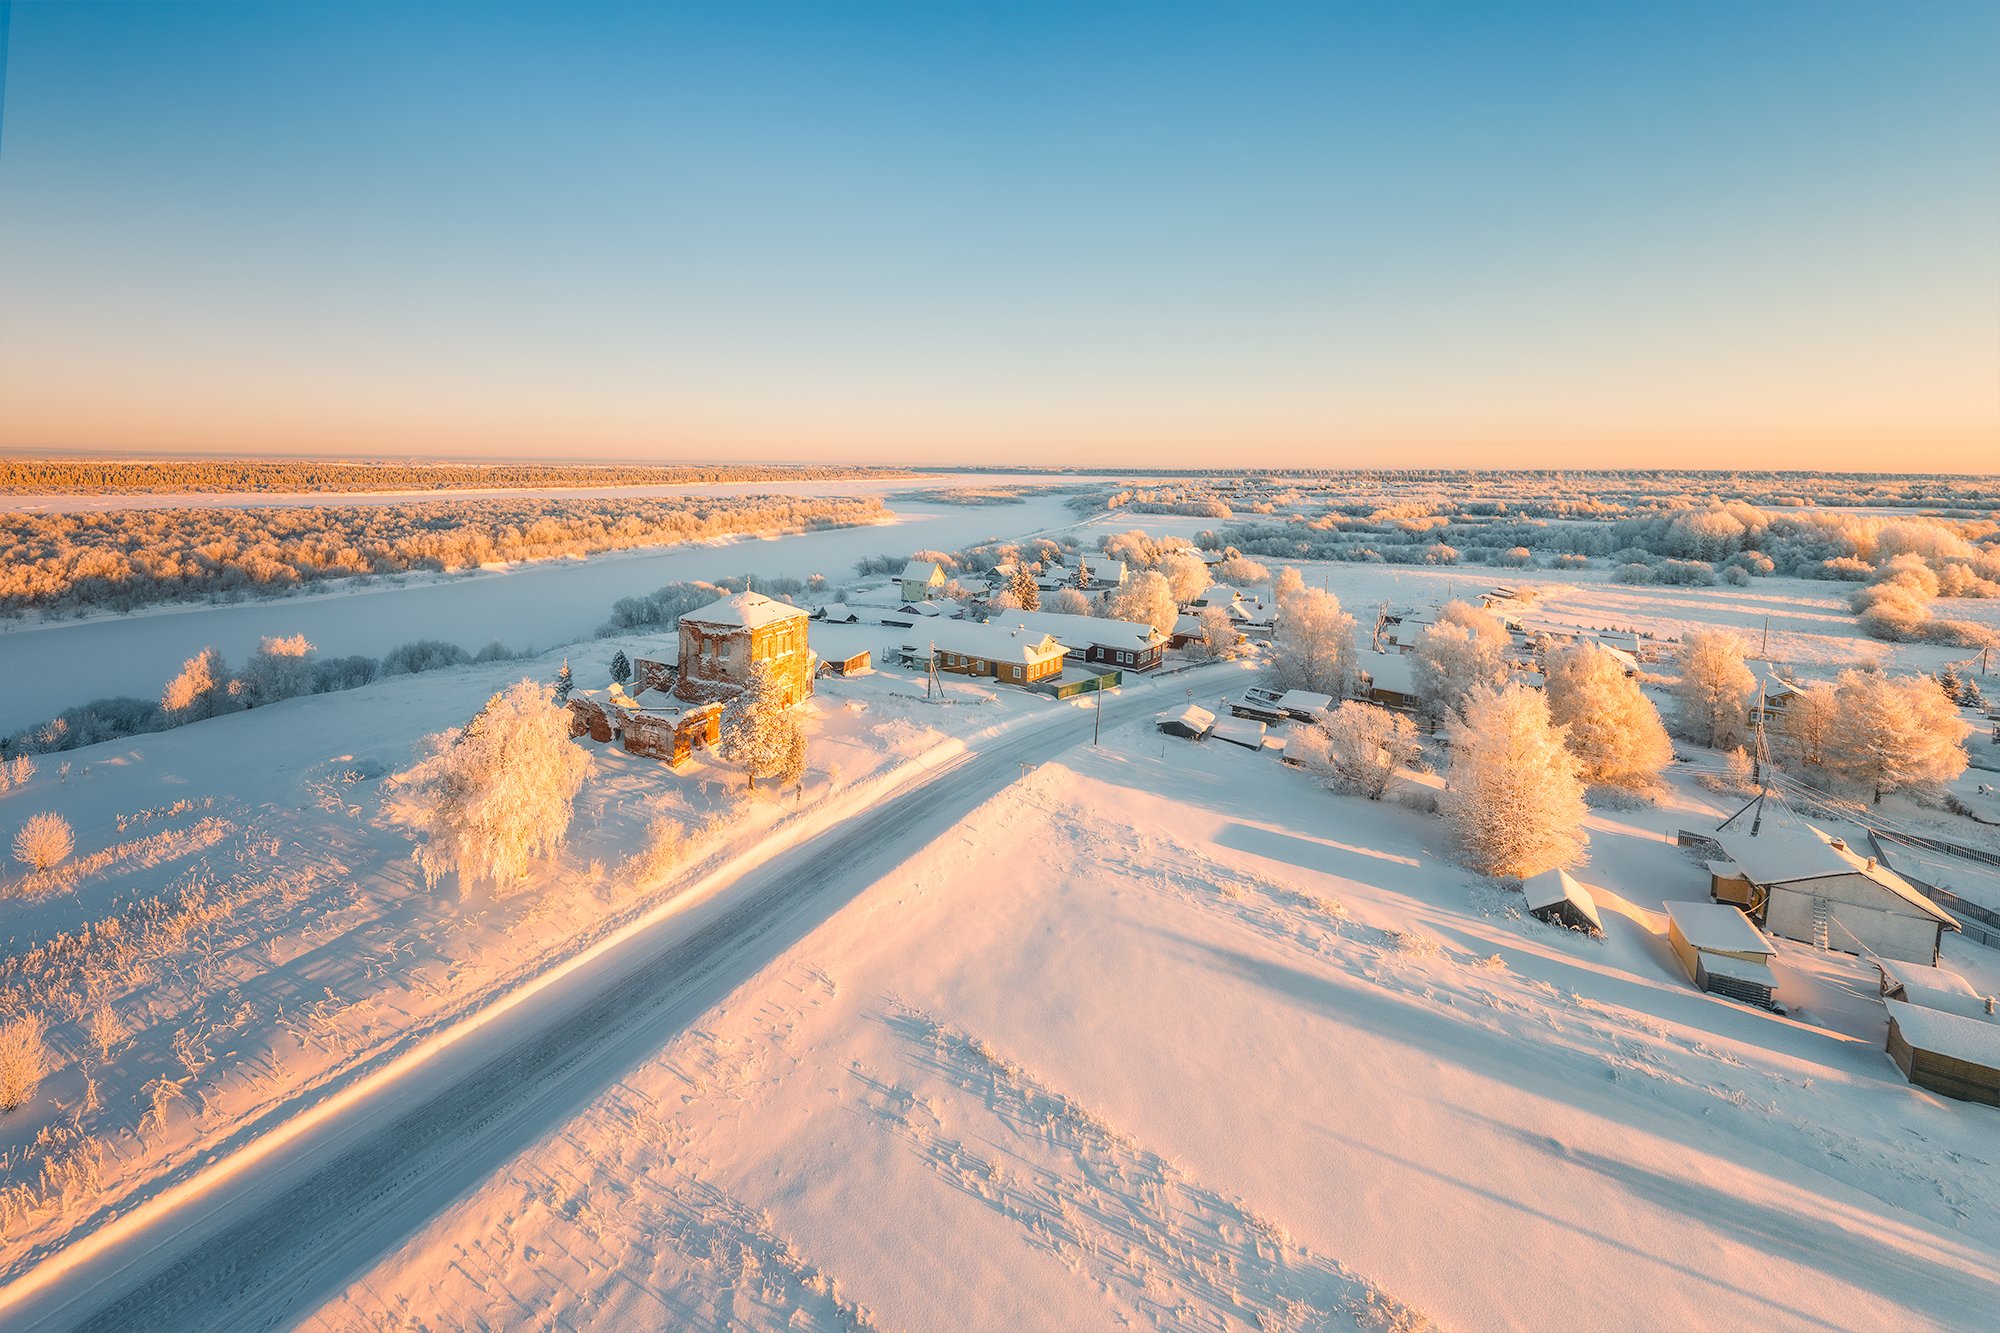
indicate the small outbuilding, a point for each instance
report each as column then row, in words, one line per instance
column 1304, row 705
column 1555, row 896
column 1953, row 1054
column 1241, row 731
column 1190, row 722
column 1932, row 987
column 1722, row 951
column 851, row 665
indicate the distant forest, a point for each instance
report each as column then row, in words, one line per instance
column 50, row 476
column 124, row 559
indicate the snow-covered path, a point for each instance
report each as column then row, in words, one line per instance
column 271, row 1241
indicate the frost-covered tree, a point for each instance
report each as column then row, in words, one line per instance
column 1187, row 575
column 1483, row 625
column 1361, row 747
column 201, row 690
column 621, row 668
column 1288, row 583
column 1219, row 635
column 1023, row 591
column 24, row 1058
column 1312, row 643
column 496, row 795
column 1148, row 599
column 1715, row 688
column 1893, row 734
column 44, row 842
column 1608, row 722
column 281, row 668
column 1809, row 723
column 1513, row 794
column 757, row 727
column 1068, row 602
column 565, row 682
column 1449, row 661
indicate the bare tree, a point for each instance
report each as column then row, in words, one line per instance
column 1361, row 747
column 44, row 842
column 1894, row 734
column 24, row 1058
column 1513, row 794
column 1607, row 720
column 1809, row 722
column 1148, row 599
column 1714, row 688
column 1449, row 661
column 201, row 690
column 280, row 669
column 1312, row 643
column 497, row 795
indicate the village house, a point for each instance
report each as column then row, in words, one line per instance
column 1803, row 884
column 1722, row 951
column 1100, row 575
column 921, row 578
column 1014, row 654
column 1387, row 680
column 1128, row 644
column 722, row 642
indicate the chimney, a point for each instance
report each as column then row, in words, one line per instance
column 1839, row 844
column 1989, row 1004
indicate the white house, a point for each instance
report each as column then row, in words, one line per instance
column 921, row 578
column 1804, row 884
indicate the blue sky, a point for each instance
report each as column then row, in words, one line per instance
column 1496, row 233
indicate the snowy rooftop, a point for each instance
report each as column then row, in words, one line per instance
column 1975, row 1040
column 922, row 570
column 1920, row 982
column 1240, row 731
column 1305, row 701
column 746, row 610
column 1718, row 926
column 993, row 642
column 1193, row 717
column 1554, row 886
column 1388, row 671
column 1084, row 631
column 1787, row 852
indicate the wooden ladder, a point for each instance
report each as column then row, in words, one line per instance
column 1822, row 919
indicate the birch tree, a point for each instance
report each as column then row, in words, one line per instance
column 1513, row 794
column 1312, row 643
column 200, row 691
column 1361, row 747
column 1451, row 660
column 1894, row 734
column 1809, row 722
column 498, row 794
column 1715, row 688
column 1147, row 599
column 1187, row 575
column 1608, row 722
column 281, row 668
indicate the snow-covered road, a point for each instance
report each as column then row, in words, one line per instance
column 267, row 1243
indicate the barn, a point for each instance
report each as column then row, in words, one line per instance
column 1957, row 1055
column 1555, row 896
column 1804, row 884
column 1722, row 951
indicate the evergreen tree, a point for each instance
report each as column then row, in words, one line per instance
column 564, row 683
column 756, row 727
column 621, row 667
column 1025, row 594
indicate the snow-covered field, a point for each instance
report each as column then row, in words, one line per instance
column 986, row 1028
column 1164, row 1035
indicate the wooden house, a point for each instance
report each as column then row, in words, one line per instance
column 1803, row 884
column 1954, row 1054
column 1126, row 644
column 1387, row 680
column 1014, row 654
column 1722, row 951
column 722, row 642
column 1554, row 896
column 921, row 578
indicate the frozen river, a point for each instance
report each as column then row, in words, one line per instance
column 48, row 668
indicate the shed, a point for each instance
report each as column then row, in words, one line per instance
column 1191, row 722
column 851, row 665
column 838, row 613
column 1241, row 731
column 1304, row 705
column 1952, row 1054
column 1722, row 951
column 1555, row 896
column 1922, row 985
column 1804, row 884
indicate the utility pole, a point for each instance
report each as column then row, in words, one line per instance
column 1097, row 713
column 1763, row 765
column 1767, row 638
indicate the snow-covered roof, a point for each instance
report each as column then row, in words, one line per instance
column 1084, row 631
column 1389, row 671
column 1241, row 731
column 1554, row 886
column 924, row 570
column 1718, row 926
column 662, row 652
column 1974, row 1040
column 1776, row 687
column 1789, row 852
column 992, row 642
column 1193, row 717
column 1304, row 701
column 746, row 610
column 1218, row 594
column 1918, row 982
column 838, row 613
